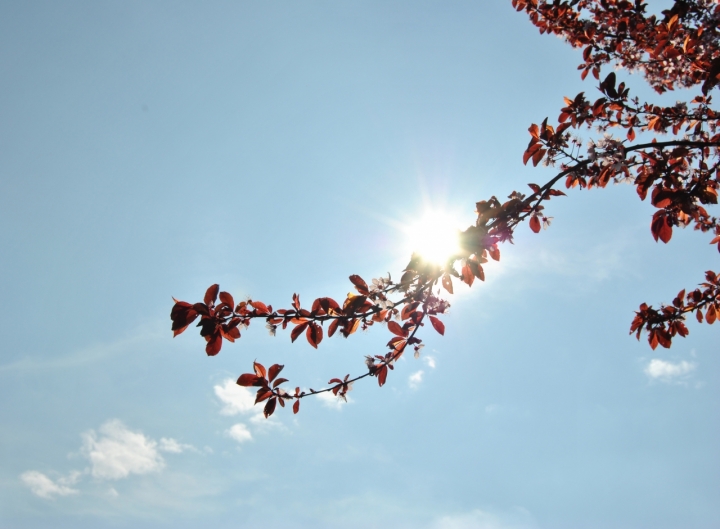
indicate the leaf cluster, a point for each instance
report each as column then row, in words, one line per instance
column 678, row 168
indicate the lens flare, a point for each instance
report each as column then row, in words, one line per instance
column 434, row 236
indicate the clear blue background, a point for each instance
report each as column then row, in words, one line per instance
column 150, row 149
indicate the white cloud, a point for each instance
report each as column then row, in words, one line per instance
column 478, row 519
column 114, row 452
column 236, row 399
column 118, row 452
column 331, row 401
column 666, row 371
column 173, row 447
column 240, row 433
column 43, row 486
column 415, row 379
column 430, row 361
column 492, row 408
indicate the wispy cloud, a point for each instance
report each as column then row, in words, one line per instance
column 116, row 452
column 478, row 519
column 44, row 487
column 235, row 399
column 415, row 379
column 665, row 371
column 172, row 446
column 240, row 433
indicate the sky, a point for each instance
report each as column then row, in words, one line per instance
column 151, row 149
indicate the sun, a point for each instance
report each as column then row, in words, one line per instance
column 434, row 236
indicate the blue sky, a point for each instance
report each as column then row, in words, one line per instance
column 150, row 149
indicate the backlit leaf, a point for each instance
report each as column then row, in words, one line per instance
column 274, row 371
column 437, row 325
column 269, row 407
column 259, row 370
column 711, row 314
column 447, row 283
column 250, row 379
column 360, row 284
column 297, row 331
column 535, row 224
column 226, row 298
column 394, row 328
column 214, row 344
column 382, row 375
column 211, row 294
column 333, row 327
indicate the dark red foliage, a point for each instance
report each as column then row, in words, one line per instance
column 677, row 165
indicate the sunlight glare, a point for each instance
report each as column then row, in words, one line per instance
column 435, row 236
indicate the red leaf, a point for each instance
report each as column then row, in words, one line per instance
column 274, row 371
column 447, row 283
column 214, row 344
column 538, row 156
column 260, row 307
column 298, row 330
column 331, row 304
column 535, row 224
column 270, row 407
column 259, row 370
column 211, row 294
column 179, row 331
column 394, row 328
column 352, row 326
column 263, row 394
column 249, row 379
column 711, row 314
column 333, row 327
column 227, row 299
column 526, row 156
column 314, row 334
column 681, row 329
column 382, row 375
column 478, row 270
column 438, row 325
column 631, row 134
column 653, row 339
column 360, row 284
column 494, row 252
column 664, row 338
column 660, row 227
column 398, row 344
column 230, row 334
column 279, row 381
column 467, row 275
column 409, row 309
column 296, row 406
